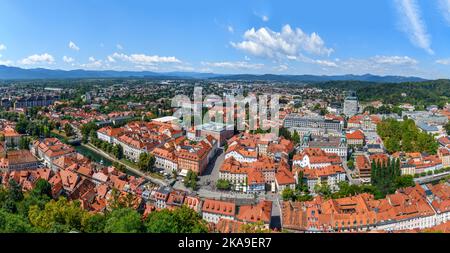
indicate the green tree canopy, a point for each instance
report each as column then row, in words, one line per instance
column 123, row 220
column 180, row 220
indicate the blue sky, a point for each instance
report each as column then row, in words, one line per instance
column 385, row 37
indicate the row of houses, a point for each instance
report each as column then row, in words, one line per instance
column 255, row 162
column 411, row 163
column 97, row 188
column 314, row 167
column 183, row 154
column 212, row 211
column 417, row 207
column 139, row 137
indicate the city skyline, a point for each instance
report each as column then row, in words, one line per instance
column 390, row 37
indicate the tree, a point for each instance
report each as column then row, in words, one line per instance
column 93, row 135
column 288, row 194
column 384, row 176
column 22, row 126
column 296, row 137
column 300, row 179
column 351, row 164
column 392, row 145
column 323, row 189
column 223, row 184
column 57, row 216
column 15, row 191
column 24, row 143
column 447, row 128
column 146, row 161
column 285, row 133
column 13, row 223
column 117, row 150
column 119, row 166
column 405, row 136
column 180, row 220
column 254, row 228
column 304, row 197
column 191, row 180
column 404, row 181
column 93, row 223
column 68, row 130
column 123, row 220
column 89, row 130
column 42, row 187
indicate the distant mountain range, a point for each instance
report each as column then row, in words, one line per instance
column 41, row 73
column 13, row 73
column 316, row 78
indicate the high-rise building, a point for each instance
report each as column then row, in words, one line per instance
column 351, row 105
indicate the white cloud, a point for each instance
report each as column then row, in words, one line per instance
column 413, row 24
column 73, row 46
column 68, row 59
column 380, row 65
column 443, row 61
column 265, row 18
column 110, row 59
column 5, row 62
column 230, row 29
column 394, row 60
column 234, row 65
column 93, row 63
column 325, row 63
column 120, row 47
column 2, row 47
column 38, row 59
column 281, row 68
column 288, row 43
column 142, row 59
column 445, row 9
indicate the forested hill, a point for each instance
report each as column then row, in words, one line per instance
column 417, row 93
column 8, row 73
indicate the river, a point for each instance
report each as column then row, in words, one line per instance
column 92, row 155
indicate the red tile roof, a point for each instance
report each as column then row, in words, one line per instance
column 219, row 207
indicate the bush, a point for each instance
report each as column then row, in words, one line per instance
column 223, row 184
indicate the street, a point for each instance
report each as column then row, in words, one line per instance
column 135, row 171
column 209, row 178
column 349, row 175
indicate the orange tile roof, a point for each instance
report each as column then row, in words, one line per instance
column 255, row 213
column 229, row 226
column 19, row 157
column 219, row 207
column 69, row 179
column 255, row 177
column 284, row 177
column 322, row 172
column 358, row 135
